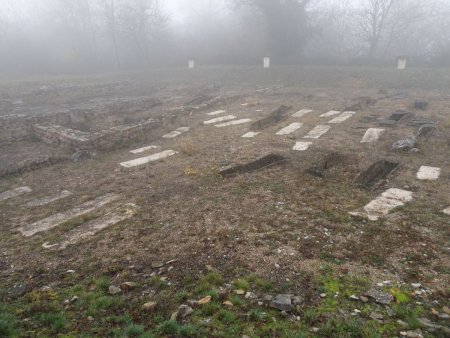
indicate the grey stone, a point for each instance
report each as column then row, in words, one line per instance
column 184, row 311
column 113, row 290
column 380, row 296
column 157, row 265
column 406, row 144
column 376, row 316
column 426, row 131
column 421, row 104
column 18, row 290
column 81, row 155
column 282, row 302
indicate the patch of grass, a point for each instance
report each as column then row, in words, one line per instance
column 210, row 309
column 169, row 327
column 336, row 328
column 257, row 315
column 310, row 316
column 399, row 295
column 241, row 284
column 8, row 325
column 408, row 314
column 98, row 304
column 57, row 321
column 226, row 317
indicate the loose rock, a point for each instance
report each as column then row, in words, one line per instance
column 113, row 290
column 380, row 296
column 282, row 302
column 405, row 144
column 149, row 306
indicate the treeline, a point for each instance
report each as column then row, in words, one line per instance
column 70, row 36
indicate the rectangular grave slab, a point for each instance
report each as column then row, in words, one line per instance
column 302, row 146
column 152, row 158
column 372, row 135
column 302, row 113
column 90, row 228
column 343, row 117
column 177, row 132
column 261, row 163
column 382, row 205
column 50, row 199
column 62, row 217
column 251, row 134
column 428, row 173
column 14, row 193
column 143, row 149
column 377, row 172
column 290, row 129
column 274, row 118
column 232, row 123
column 217, row 112
column 396, row 117
column 318, row 131
column 330, row 113
column 220, row 119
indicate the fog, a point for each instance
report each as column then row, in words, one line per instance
column 82, row 36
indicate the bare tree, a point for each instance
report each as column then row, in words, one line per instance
column 110, row 15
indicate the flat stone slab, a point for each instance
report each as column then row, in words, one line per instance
column 302, row 113
column 378, row 171
column 144, row 149
column 290, row 128
column 90, row 228
column 428, row 173
column 446, row 211
column 50, row 199
column 62, row 217
column 217, row 112
column 152, row 158
column 232, row 123
column 382, row 205
column 260, row 163
column 331, row 113
column 177, row 132
column 302, row 146
column 282, row 302
column 14, row 193
column 372, row 135
column 380, row 296
column 343, row 117
column 318, row 131
column 251, row 134
column 220, row 119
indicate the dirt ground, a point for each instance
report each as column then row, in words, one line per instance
column 287, row 225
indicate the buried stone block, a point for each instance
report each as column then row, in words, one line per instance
column 217, row 112
column 428, row 173
column 290, row 129
column 143, row 149
column 51, row 199
column 274, row 118
column 377, row 172
column 62, row 217
column 220, row 119
column 318, row 131
column 250, row 134
column 232, row 123
column 14, row 193
column 372, row 135
column 148, row 159
column 302, row 146
column 261, row 163
column 396, row 117
column 328, row 162
column 426, row 131
column 406, row 144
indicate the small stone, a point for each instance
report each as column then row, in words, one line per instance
column 353, row 297
column 405, row 144
column 227, row 303
column 443, row 316
column 204, row 300
column 414, row 334
column 416, row 285
column 380, row 297
column 18, row 290
column 282, row 302
column 150, row 306
column 296, row 300
column 74, row 299
column 418, row 292
column 403, row 333
column 71, row 271
column 428, row 323
column 184, row 311
column 267, row 298
column 402, row 323
column 364, row 299
column 376, row 316
column 240, row 292
column 90, row 318
column 209, row 267
column 127, row 286
column 446, row 309
column 323, row 295
column 113, row 290
column 315, row 329
column 157, row 265
column 250, row 295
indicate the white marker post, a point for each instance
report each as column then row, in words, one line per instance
column 267, row 62
column 402, row 61
column 191, row 64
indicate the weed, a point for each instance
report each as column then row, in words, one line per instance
column 169, row 327
column 226, row 316
column 8, row 325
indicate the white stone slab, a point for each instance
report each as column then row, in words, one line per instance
column 330, row 113
column 232, row 123
column 220, row 119
column 266, row 62
column 302, row 113
column 144, row 149
column 217, row 112
column 428, row 173
column 372, row 135
column 148, row 159
column 290, row 128
column 62, row 217
column 177, row 132
column 382, row 205
column 302, row 146
column 343, row 117
column 92, row 227
column 251, row 134
column 318, row 131
column 14, row 193
column 447, row 211
column 50, row 199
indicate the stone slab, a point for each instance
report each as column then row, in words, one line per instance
column 220, row 119
column 177, row 132
column 302, row 146
column 232, row 123
column 251, row 134
column 217, row 112
column 343, row 117
column 148, row 159
column 14, row 193
column 50, row 199
column 290, row 129
column 428, row 173
column 62, row 217
column 330, row 113
column 143, row 149
column 372, row 135
column 302, row 112
column 318, row 131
